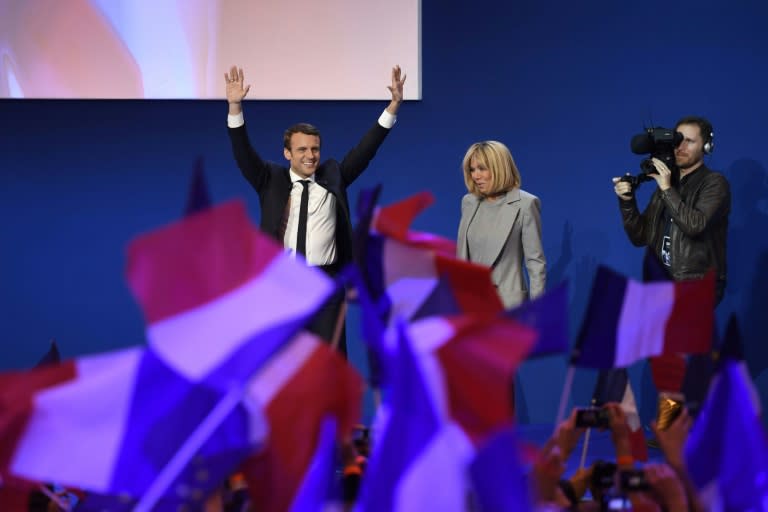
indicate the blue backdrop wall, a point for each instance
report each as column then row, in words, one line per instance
column 564, row 85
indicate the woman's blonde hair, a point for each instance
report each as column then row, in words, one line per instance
column 496, row 157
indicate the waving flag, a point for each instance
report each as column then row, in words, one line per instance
column 498, row 478
column 726, row 452
column 450, row 389
column 403, row 273
column 627, row 321
column 732, row 349
column 302, row 387
column 413, row 423
column 548, row 315
column 16, row 494
column 220, row 300
column 670, row 371
column 321, row 490
column 414, row 275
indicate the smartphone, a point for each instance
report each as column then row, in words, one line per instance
column 592, row 417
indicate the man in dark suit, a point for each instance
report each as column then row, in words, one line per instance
column 305, row 206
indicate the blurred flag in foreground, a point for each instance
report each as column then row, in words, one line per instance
column 726, row 452
column 450, row 392
column 220, row 299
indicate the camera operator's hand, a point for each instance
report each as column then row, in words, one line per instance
column 623, row 189
column 664, row 176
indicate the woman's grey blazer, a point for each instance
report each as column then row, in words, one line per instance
column 518, row 242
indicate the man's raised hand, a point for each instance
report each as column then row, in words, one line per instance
column 235, row 90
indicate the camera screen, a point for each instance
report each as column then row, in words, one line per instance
column 592, row 417
column 618, row 503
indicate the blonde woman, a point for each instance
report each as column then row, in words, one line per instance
column 501, row 223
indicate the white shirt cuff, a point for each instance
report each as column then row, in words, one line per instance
column 387, row 120
column 235, row 121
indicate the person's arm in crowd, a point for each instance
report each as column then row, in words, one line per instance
column 550, row 465
column 666, row 486
column 672, row 443
column 620, row 434
column 567, row 435
column 546, row 472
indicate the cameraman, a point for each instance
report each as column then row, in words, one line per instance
column 686, row 221
column 684, row 225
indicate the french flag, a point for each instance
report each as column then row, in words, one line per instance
column 413, row 275
column 220, row 300
column 732, row 349
column 627, row 321
column 301, row 389
column 450, row 387
column 321, row 489
column 547, row 314
column 498, row 475
column 614, row 386
column 726, row 452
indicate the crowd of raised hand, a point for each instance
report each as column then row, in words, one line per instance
column 621, row 484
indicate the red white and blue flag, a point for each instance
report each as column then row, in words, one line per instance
column 300, row 389
column 726, row 452
column 450, row 392
column 548, row 315
column 627, row 321
column 411, row 274
column 220, row 299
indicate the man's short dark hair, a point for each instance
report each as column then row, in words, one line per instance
column 705, row 127
column 304, row 128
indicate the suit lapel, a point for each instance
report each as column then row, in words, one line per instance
column 466, row 219
column 508, row 213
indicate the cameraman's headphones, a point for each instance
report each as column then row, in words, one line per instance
column 709, row 143
column 708, row 134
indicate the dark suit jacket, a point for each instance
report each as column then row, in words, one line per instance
column 272, row 183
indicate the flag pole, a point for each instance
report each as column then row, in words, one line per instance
column 584, row 449
column 338, row 328
column 565, row 395
column 190, row 447
column 66, row 507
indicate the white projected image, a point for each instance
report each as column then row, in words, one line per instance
column 302, row 49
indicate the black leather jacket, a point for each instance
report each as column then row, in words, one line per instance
column 699, row 207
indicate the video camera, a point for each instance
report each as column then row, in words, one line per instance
column 657, row 142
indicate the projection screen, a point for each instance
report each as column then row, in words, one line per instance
column 180, row 49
